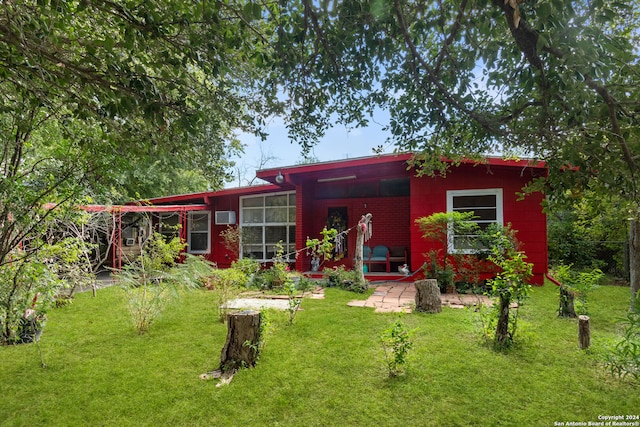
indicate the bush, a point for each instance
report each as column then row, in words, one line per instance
column 579, row 283
column 623, row 360
column 342, row 278
column 152, row 280
column 226, row 284
column 250, row 267
column 30, row 283
column 396, row 343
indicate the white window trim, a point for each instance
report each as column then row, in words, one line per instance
column 451, row 194
column 263, row 224
column 190, row 231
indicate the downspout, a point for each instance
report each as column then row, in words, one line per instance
column 552, row 279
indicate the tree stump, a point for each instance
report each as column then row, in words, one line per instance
column 567, row 308
column 243, row 340
column 428, row 296
column 584, row 332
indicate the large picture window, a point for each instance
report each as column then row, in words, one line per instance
column 486, row 206
column 265, row 221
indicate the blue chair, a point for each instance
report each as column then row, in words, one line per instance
column 379, row 255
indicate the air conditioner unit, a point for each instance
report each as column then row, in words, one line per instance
column 225, row 217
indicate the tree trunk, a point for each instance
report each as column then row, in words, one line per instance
column 634, row 259
column 502, row 338
column 584, row 333
column 243, row 340
column 567, row 308
column 363, row 224
column 428, row 296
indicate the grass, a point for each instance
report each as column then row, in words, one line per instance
column 325, row 370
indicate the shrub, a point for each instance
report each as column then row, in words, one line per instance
column 226, row 285
column 396, row 343
column 579, row 284
column 30, row 283
column 623, row 360
column 440, row 264
column 344, row 279
column 152, row 280
column 250, row 267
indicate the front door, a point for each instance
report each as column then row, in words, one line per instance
column 338, row 219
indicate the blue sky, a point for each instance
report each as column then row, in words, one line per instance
column 338, row 143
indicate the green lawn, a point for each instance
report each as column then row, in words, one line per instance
column 325, row 370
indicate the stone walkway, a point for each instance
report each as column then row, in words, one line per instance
column 396, row 297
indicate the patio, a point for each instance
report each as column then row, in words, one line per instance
column 396, row 297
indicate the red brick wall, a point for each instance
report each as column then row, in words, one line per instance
column 390, row 221
column 526, row 216
column 219, row 253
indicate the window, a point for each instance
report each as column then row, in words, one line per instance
column 198, row 231
column 394, row 187
column 169, row 225
column 265, row 221
column 486, row 206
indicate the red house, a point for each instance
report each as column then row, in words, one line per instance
column 300, row 200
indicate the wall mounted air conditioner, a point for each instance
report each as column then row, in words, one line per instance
column 225, row 217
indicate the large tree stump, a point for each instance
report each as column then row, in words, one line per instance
column 243, row 340
column 584, row 332
column 567, row 308
column 428, row 296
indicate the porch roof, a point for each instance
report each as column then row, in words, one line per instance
column 364, row 167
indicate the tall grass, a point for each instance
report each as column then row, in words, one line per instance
column 325, row 370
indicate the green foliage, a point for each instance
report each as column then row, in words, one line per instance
column 231, row 237
column 589, row 231
column 342, row 278
column 31, row 282
column 442, row 264
column 248, row 266
column 294, row 300
column 277, row 275
column 623, row 360
column 152, row 281
column 396, row 342
column 509, row 285
column 266, row 328
column 322, row 249
column 438, row 226
column 226, row 284
column 580, row 283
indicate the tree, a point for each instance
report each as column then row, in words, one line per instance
column 553, row 80
column 95, row 94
